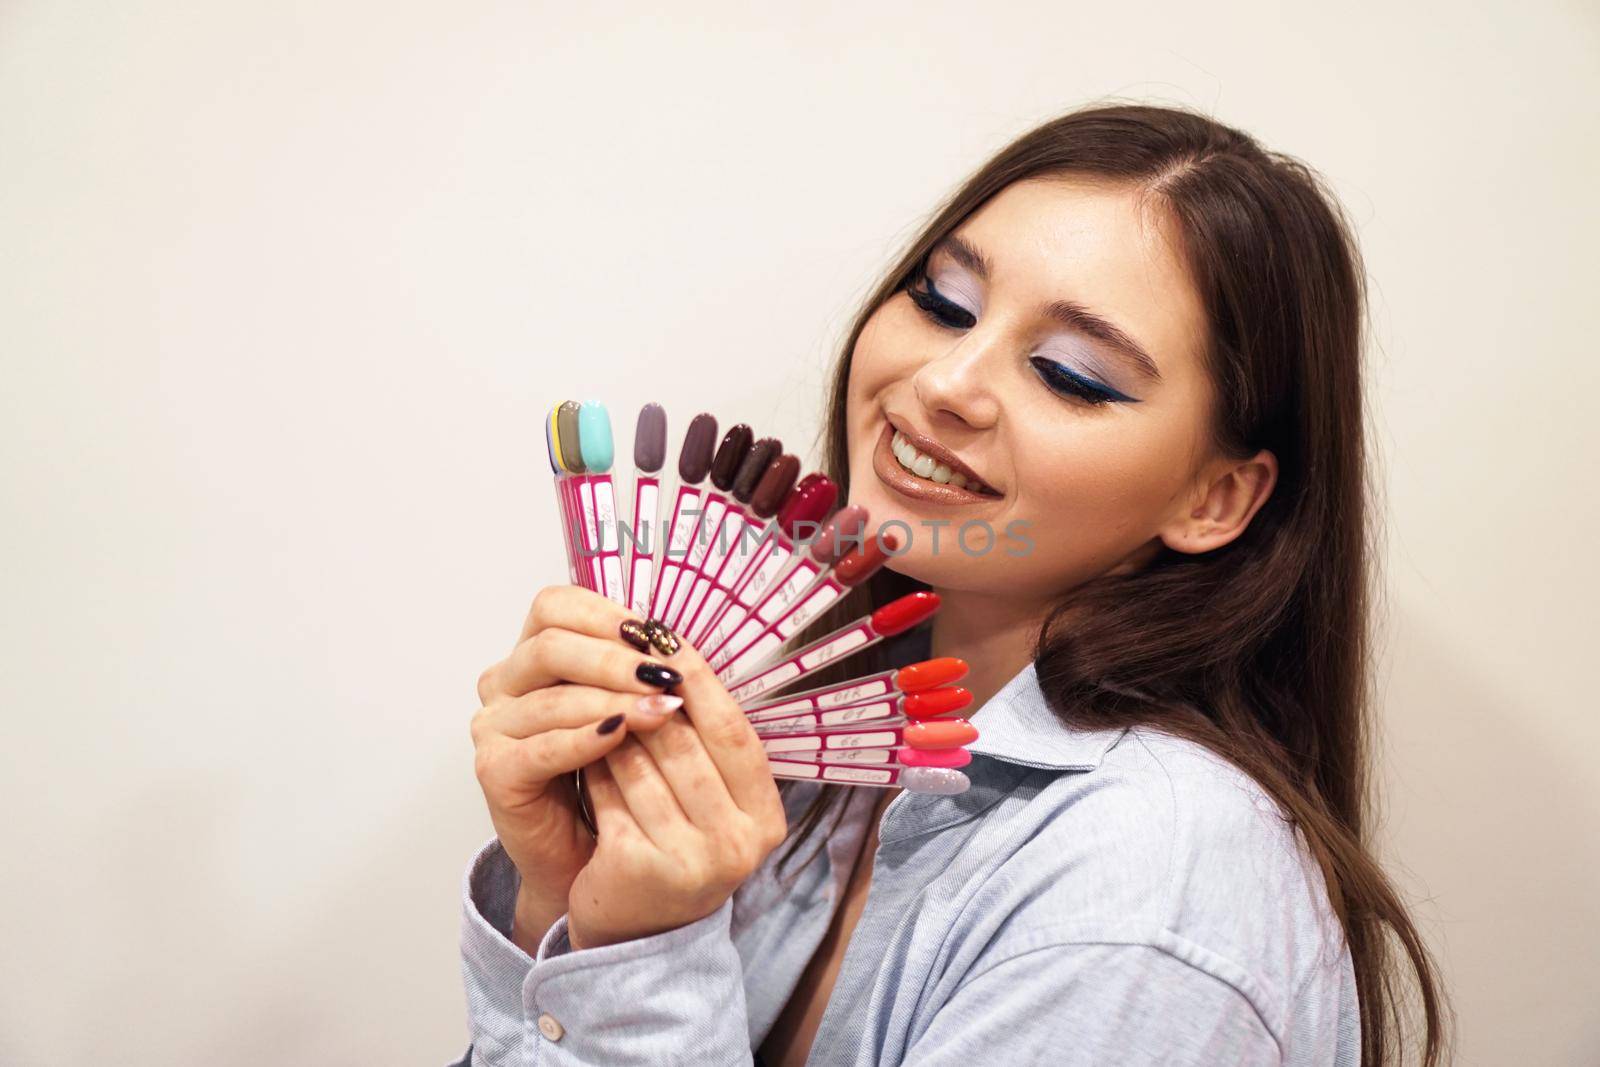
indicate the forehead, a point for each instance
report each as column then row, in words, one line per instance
column 1070, row 238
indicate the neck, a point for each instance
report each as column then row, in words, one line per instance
column 993, row 634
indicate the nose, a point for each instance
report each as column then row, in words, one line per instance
column 960, row 383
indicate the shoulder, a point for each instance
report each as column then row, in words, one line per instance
column 1166, row 845
column 1170, row 830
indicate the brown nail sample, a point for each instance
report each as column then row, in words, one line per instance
column 755, row 464
column 735, row 443
column 567, row 436
column 774, row 486
column 699, row 440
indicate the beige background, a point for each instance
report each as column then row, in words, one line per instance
column 284, row 287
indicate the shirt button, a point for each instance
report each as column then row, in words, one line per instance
column 549, row 1027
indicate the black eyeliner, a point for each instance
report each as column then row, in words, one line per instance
column 937, row 308
column 1060, row 379
column 935, row 305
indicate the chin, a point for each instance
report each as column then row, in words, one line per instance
column 948, row 569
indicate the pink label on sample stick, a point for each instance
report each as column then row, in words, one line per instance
column 680, row 533
column 828, row 696
column 641, row 565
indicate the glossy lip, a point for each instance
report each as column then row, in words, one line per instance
column 902, row 481
column 940, row 454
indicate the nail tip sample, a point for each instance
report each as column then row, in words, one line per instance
column 775, row 485
column 594, row 436
column 842, row 533
column 699, row 445
column 650, row 438
column 725, row 463
column 900, row 615
column 930, row 673
column 567, row 437
column 754, row 466
column 551, row 451
column 943, row 781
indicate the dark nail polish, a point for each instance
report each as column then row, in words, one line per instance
column 657, row 674
column 634, row 632
column 610, row 724
column 665, row 640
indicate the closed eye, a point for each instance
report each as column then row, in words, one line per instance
column 937, row 307
column 1067, row 382
column 1060, row 379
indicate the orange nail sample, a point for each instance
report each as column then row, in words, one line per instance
column 940, row 733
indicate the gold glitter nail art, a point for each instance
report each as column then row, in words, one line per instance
column 635, row 633
column 665, row 641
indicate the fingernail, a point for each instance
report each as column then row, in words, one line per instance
column 633, row 632
column 660, row 704
column 610, row 724
column 657, row 674
column 665, row 640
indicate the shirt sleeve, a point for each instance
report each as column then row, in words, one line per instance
column 673, row 997
column 1082, row 1004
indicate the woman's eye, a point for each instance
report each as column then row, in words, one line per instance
column 1069, row 383
column 937, row 307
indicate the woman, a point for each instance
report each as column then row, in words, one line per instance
column 1134, row 336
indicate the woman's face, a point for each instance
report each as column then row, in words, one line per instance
column 1079, row 458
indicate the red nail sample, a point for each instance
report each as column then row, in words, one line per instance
column 932, row 703
column 930, row 673
column 900, row 615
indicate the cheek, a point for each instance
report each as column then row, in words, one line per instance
column 886, row 352
column 887, row 349
column 1105, row 484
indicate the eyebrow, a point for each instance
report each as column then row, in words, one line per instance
column 1067, row 312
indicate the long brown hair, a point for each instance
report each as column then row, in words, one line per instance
column 1258, row 650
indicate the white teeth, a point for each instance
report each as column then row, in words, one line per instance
column 924, row 466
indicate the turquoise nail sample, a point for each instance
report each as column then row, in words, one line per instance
column 594, row 436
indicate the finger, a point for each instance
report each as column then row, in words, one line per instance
column 649, row 798
column 548, row 755
column 725, row 731
column 685, row 765
column 572, row 607
column 559, row 655
column 611, row 814
column 566, row 706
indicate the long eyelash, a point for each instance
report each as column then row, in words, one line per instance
column 942, row 312
column 1061, row 380
column 939, row 310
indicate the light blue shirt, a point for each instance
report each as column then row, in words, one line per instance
column 1097, row 897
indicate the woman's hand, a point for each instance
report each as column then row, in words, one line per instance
column 685, row 813
column 550, row 707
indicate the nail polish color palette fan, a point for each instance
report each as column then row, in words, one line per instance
column 738, row 553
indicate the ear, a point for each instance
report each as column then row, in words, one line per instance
column 1228, row 499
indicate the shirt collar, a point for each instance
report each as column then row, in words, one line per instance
column 1017, row 734
column 1017, row 725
